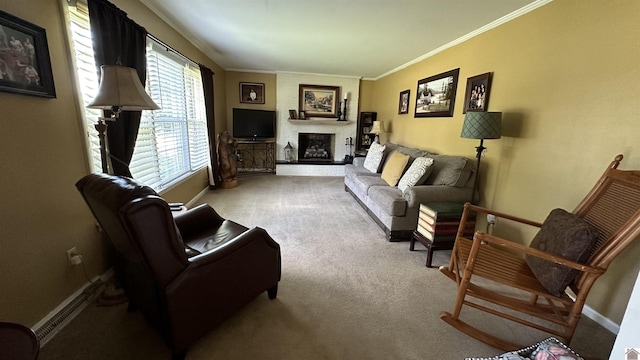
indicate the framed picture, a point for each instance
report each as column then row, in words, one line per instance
column 292, row 114
column 436, row 95
column 403, row 104
column 476, row 97
column 251, row 93
column 319, row 101
column 25, row 66
column 302, row 115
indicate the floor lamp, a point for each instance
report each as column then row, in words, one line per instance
column 120, row 90
column 481, row 125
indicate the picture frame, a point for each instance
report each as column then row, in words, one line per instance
column 403, row 102
column 319, row 101
column 436, row 95
column 302, row 115
column 26, row 66
column 251, row 93
column 293, row 114
column 476, row 96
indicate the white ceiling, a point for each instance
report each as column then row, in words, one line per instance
column 362, row 38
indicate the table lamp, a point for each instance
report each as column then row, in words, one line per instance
column 377, row 128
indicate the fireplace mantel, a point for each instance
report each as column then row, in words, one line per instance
column 319, row 122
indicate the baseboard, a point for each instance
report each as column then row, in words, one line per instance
column 190, row 204
column 62, row 315
column 601, row 319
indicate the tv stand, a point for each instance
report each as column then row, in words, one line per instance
column 256, row 155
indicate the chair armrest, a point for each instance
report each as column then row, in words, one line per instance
column 197, row 219
column 480, row 209
column 254, row 234
column 480, row 237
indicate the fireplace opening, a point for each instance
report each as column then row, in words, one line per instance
column 315, row 147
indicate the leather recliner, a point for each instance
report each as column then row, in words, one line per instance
column 186, row 273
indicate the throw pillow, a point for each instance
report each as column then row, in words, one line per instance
column 565, row 235
column 374, row 157
column 417, row 173
column 394, row 167
column 550, row 348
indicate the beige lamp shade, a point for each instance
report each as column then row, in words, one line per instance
column 378, row 127
column 121, row 89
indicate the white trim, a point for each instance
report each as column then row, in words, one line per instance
column 605, row 322
column 494, row 24
column 104, row 277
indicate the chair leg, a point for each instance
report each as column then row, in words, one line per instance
column 273, row 291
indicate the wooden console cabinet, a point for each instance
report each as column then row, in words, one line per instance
column 256, row 156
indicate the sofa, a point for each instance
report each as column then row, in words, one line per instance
column 394, row 207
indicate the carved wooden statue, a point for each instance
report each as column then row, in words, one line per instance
column 227, row 160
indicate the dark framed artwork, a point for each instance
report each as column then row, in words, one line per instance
column 319, row 101
column 251, row 93
column 476, row 97
column 436, row 95
column 293, row 114
column 403, row 102
column 25, row 66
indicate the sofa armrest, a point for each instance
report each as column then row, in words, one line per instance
column 358, row 161
column 421, row 194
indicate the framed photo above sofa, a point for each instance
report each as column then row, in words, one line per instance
column 25, row 66
column 403, row 102
column 476, row 96
column 436, row 95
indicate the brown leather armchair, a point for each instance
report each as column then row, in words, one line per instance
column 186, row 273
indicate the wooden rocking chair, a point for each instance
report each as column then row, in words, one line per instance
column 612, row 207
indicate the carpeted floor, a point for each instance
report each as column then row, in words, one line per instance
column 346, row 293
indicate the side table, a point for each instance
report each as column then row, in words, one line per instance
column 438, row 225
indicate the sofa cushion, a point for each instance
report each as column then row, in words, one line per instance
column 394, row 168
column 389, row 199
column 364, row 183
column 417, row 173
column 412, row 152
column 565, row 235
column 374, row 157
column 449, row 170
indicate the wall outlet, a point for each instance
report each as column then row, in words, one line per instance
column 491, row 219
column 73, row 258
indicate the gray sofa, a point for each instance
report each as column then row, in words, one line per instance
column 396, row 211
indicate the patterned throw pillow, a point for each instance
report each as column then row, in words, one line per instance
column 394, row 167
column 417, row 173
column 374, row 157
column 550, row 348
column 566, row 235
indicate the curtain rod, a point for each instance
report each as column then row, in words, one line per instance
column 169, row 48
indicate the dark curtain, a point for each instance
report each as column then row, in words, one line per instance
column 117, row 40
column 215, row 178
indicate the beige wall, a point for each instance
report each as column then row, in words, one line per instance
column 234, row 78
column 566, row 78
column 42, row 156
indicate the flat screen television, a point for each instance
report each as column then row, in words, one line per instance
column 254, row 124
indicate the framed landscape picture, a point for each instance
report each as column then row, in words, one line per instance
column 403, row 103
column 251, row 93
column 25, row 66
column 319, row 101
column 436, row 95
column 476, row 97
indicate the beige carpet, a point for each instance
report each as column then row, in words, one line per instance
column 346, row 293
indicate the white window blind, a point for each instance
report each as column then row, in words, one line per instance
column 172, row 141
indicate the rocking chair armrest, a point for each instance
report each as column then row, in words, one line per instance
column 503, row 243
column 480, row 209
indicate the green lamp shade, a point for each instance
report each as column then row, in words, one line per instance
column 482, row 125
